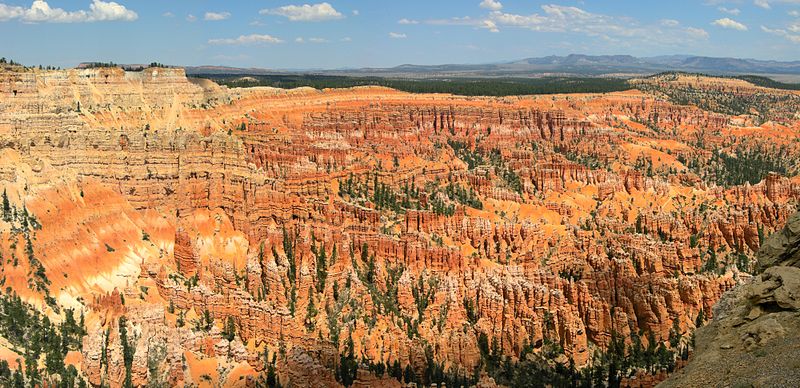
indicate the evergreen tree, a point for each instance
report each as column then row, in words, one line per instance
column 701, row 318
column 311, row 311
column 6, row 207
column 322, row 269
column 348, row 367
column 409, row 376
column 230, row 329
column 18, row 380
column 675, row 333
column 127, row 351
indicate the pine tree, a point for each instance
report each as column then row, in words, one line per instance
column 409, row 376
column 230, row 329
column 336, row 290
column 127, row 351
column 701, row 318
column 18, row 380
column 272, row 377
column 334, row 255
column 6, row 207
column 311, row 311
column 348, row 367
column 322, row 269
column 675, row 333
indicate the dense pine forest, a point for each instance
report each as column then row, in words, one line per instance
column 461, row 86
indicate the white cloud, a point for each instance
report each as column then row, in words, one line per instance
column 347, row 39
column 168, row 14
column 794, row 38
column 490, row 25
column 311, row 40
column 397, row 35
column 794, row 14
column 669, row 22
column 305, row 12
column 566, row 19
column 456, row 21
column 216, row 16
column 729, row 11
column 355, row 12
column 767, row 4
column 10, row 12
column 493, row 5
column 407, row 21
column 191, row 18
column 246, row 40
column 108, row 11
column 698, row 33
column 555, row 18
column 730, row 24
column 41, row 12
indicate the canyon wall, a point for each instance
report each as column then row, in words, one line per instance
column 546, row 222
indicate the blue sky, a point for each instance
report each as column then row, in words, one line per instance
column 377, row 33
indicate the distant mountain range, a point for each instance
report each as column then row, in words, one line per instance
column 574, row 64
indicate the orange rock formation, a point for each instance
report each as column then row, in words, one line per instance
column 184, row 206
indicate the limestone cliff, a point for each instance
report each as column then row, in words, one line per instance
column 754, row 339
column 248, row 233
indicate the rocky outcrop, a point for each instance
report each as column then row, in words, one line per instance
column 754, row 339
column 783, row 248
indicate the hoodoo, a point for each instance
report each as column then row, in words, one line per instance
column 177, row 232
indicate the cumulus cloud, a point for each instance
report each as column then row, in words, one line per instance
column 568, row 19
column 490, row 25
column 669, row 22
column 794, row 14
column 767, row 4
column 41, row 12
column 397, row 35
column 305, row 13
column 246, row 40
column 493, row 5
column 698, row 33
column 762, row 3
column 729, row 11
column 793, row 34
column 216, row 16
column 407, row 21
column 310, row 40
column 729, row 24
column 191, row 18
column 168, row 14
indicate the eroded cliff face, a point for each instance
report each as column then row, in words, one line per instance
column 236, row 227
column 753, row 340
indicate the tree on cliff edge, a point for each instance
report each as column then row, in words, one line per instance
column 127, row 351
column 6, row 207
column 348, row 367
